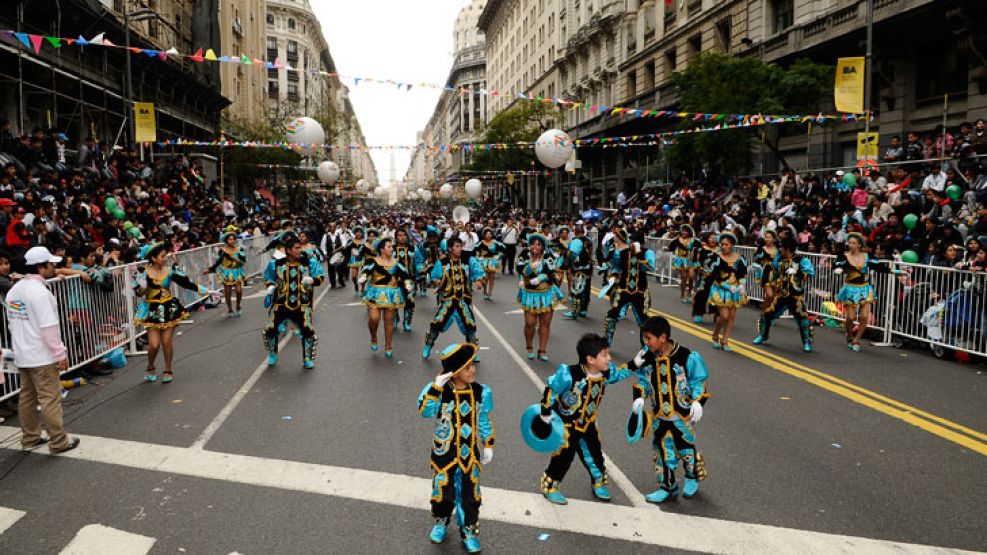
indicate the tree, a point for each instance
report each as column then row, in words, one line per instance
column 525, row 121
column 721, row 83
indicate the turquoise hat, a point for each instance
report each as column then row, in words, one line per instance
column 542, row 437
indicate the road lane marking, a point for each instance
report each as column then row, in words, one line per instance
column 242, row 392
column 881, row 403
column 96, row 538
column 619, row 478
column 635, row 524
column 9, row 517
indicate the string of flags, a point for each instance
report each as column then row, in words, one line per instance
column 36, row 42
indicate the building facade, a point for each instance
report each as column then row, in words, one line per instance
column 243, row 31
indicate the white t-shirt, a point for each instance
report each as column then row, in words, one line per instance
column 30, row 307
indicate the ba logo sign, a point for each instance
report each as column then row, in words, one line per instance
column 849, row 69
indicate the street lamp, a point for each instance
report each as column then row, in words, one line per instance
column 128, row 16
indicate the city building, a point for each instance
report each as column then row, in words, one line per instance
column 243, row 32
column 294, row 39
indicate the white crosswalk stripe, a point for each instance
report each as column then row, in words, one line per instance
column 96, row 538
column 8, row 517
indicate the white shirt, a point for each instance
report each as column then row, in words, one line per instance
column 935, row 183
column 31, row 307
column 469, row 240
column 510, row 235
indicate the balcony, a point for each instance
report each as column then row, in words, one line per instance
column 632, row 47
column 694, row 7
column 238, row 28
column 272, row 54
column 649, row 36
column 292, row 56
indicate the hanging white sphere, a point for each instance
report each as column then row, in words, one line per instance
column 420, row 191
column 379, row 192
column 445, row 191
column 305, row 135
column 474, row 188
column 426, row 195
column 553, row 148
column 412, row 196
column 328, row 172
column 362, row 186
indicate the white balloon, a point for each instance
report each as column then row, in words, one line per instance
column 379, row 192
column 426, row 195
column 420, row 191
column 412, row 196
column 553, row 148
column 474, row 188
column 328, row 172
column 305, row 135
column 362, row 186
column 445, row 191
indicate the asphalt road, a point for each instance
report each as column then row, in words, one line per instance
column 830, row 447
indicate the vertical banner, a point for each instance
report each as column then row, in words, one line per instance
column 145, row 122
column 867, row 146
column 849, row 89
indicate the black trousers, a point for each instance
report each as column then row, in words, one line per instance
column 302, row 317
column 587, row 446
column 455, row 489
column 580, row 300
column 510, row 253
column 452, row 310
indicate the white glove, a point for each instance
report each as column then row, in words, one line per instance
column 409, row 285
column 639, row 357
column 612, row 280
column 638, row 404
column 142, row 281
column 442, row 379
column 696, row 414
column 734, row 288
column 487, row 455
column 792, row 271
column 838, row 271
column 271, row 289
column 362, row 279
column 307, row 280
column 637, row 246
column 534, row 281
column 520, row 284
column 546, row 418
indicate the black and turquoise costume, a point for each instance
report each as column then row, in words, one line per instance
column 229, row 266
column 405, row 255
column 386, row 285
column 546, row 294
column 857, row 289
column 788, row 278
column 292, row 301
column 629, row 289
column 726, row 289
column 580, row 252
column 455, row 280
column 158, row 308
column 490, row 255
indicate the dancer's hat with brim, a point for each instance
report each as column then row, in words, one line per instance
column 542, row 437
column 457, row 357
column 638, row 424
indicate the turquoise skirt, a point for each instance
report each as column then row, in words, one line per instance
column 856, row 295
column 231, row 276
column 383, row 297
column 683, row 263
column 540, row 301
column 489, row 264
column 721, row 296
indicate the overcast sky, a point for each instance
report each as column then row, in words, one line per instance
column 403, row 40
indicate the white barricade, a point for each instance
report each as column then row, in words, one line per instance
column 97, row 315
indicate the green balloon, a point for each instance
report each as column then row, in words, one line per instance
column 111, row 203
column 119, row 214
column 910, row 221
column 850, row 179
column 909, row 256
column 954, row 191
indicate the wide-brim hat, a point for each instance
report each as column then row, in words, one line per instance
column 638, row 425
column 532, row 237
column 457, row 357
column 150, row 251
column 542, row 437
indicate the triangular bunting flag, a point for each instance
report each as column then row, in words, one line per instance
column 36, row 41
column 98, row 39
column 172, row 51
column 210, row 55
column 197, row 57
column 81, row 41
column 54, row 41
column 24, row 38
column 106, row 42
column 244, row 60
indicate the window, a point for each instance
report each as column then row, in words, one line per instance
column 631, row 84
column 649, row 76
column 723, row 30
column 270, row 20
column 272, row 88
column 670, row 63
column 272, row 44
column 943, row 70
column 291, row 24
column 784, row 14
column 293, row 90
column 292, row 47
column 695, row 45
column 272, row 73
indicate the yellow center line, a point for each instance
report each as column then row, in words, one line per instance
column 929, row 422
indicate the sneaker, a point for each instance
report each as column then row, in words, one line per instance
column 601, row 492
column 426, row 351
column 855, row 348
column 662, row 495
column 556, row 497
column 308, row 364
column 759, row 340
column 272, row 359
column 438, row 534
column 690, row 488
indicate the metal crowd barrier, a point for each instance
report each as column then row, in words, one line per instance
column 97, row 315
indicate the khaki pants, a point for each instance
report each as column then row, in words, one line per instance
column 41, row 385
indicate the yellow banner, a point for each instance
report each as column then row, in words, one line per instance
column 849, row 90
column 147, row 129
column 867, row 146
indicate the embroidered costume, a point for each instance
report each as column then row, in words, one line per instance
column 229, row 266
column 158, row 308
column 628, row 289
column 726, row 289
column 788, row 277
column 581, row 263
column 684, row 256
column 672, row 383
column 490, row 255
column 463, row 436
column 575, row 397
column 542, row 296
column 405, row 255
column 857, row 289
column 385, row 284
column 456, row 279
column 292, row 300
column 706, row 257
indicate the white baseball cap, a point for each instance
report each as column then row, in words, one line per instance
column 40, row 255
column 839, row 172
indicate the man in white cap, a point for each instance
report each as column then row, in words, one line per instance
column 32, row 318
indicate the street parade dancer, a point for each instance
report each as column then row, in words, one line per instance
column 857, row 294
column 727, row 292
column 388, row 285
column 538, row 293
column 673, row 378
column 427, row 254
column 455, row 281
column 580, row 252
column 404, row 253
column 764, row 266
column 310, row 249
column 159, row 312
column 704, row 257
column 229, row 270
column 490, row 253
column 684, row 260
column 789, row 274
column 290, row 281
column 462, row 443
column 627, row 282
column 359, row 252
column 564, row 423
